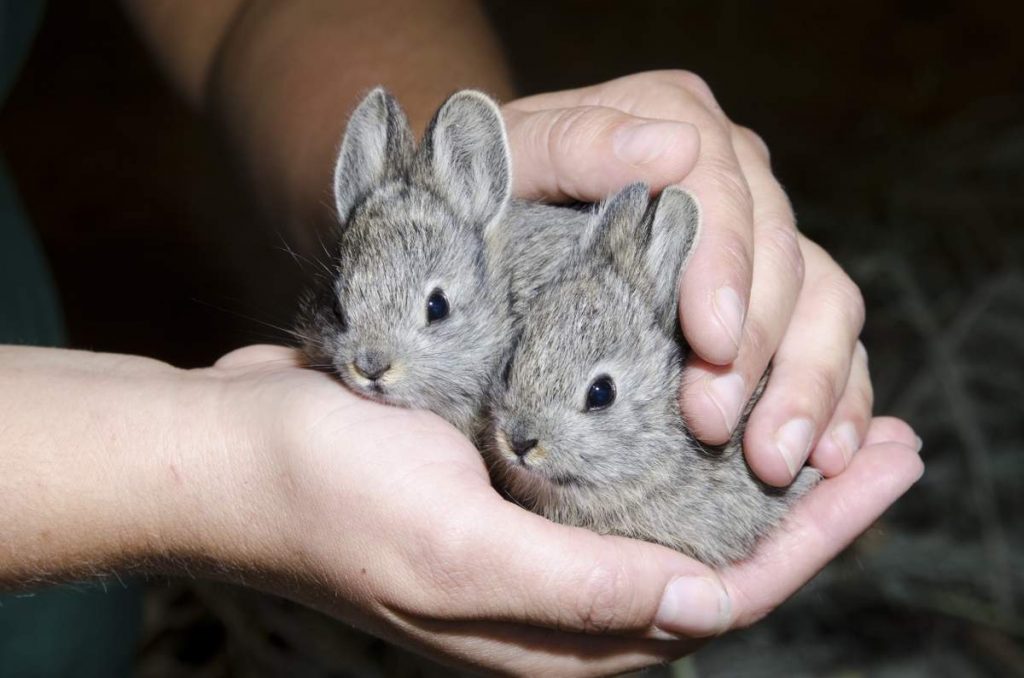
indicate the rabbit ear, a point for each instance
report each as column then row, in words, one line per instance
column 378, row 143
column 649, row 242
column 466, row 155
column 619, row 233
column 675, row 228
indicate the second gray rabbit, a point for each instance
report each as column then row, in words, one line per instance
column 431, row 260
column 587, row 429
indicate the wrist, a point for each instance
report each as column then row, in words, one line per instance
column 218, row 506
column 84, row 441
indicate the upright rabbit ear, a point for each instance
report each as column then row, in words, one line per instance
column 620, row 232
column 466, row 157
column 675, row 228
column 649, row 242
column 378, row 143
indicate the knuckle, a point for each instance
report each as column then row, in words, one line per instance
column 693, row 84
column 445, row 553
column 848, row 300
column 726, row 180
column 777, row 232
column 818, row 393
column 760, row 343
column 735, row 252
column 863, row 401
column 571, row 130
column 755, row 141
column 599, row 599
column 862, row 393
column 861, row 353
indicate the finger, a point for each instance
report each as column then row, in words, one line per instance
column 531, row 651
column 257, row 354
column 809, row 371
column 587, row 152
column 713, row 397
column 891, row 429
column 843, row 435
column 716, row 284
column 820, row 526
column 559, row 577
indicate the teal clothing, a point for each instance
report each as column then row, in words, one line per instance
column 89, row 630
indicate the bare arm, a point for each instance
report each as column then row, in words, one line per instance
column 261, row 472
column 107, row 463
column 281, row 77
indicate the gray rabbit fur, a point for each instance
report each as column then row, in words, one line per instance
column 539, row 301
column 415, row 222
column 630, row 467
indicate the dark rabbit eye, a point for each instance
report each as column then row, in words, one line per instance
column 601, row 393
column 437, row 306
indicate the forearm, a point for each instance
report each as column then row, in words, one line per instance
column 281, row 77
column 107, row 462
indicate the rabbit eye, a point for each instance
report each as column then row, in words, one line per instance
column 437, row 306
column 601, row 393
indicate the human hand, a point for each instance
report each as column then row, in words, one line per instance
column 754, row 291
column 386, row 517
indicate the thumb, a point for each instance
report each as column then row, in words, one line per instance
column 527, row 570
column 587, row 152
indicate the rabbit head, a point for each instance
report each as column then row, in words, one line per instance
column 412, row 315
column 588, row 400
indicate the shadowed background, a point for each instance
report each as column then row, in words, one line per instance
column 898, row 131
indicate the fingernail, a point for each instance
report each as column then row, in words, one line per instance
column 729, row 310
column 846, row 438
column 920, row 443
column 794, row 442
column 727, row 393
column 638, row 144
column 693, row 606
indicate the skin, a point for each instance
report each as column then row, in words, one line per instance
column 756, row 288
column 116, row 462
column 112, row 463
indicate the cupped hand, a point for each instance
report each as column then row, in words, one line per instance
column 390, row 522
column 755, row 288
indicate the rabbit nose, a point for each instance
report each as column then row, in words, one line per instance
column 372, row 364
column 521, row 447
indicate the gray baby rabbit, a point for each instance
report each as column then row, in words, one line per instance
column 587, row 429
column 430, row 260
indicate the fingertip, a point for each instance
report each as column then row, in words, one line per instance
column 835, row 449
column 712, row 320
column 658, row 145
column 711, row 403
column 767, row 463
column 694, row 607
column 829, row 457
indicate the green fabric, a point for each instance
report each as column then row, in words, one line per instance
column 81, row 631
column 75, row 630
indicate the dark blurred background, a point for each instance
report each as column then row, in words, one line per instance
column 898, row 131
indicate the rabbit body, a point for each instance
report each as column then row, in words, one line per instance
column 503, row 315
column 431, row 258
column 629, row 467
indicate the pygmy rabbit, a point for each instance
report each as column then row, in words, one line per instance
column 431, row 258
column 587, row 429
